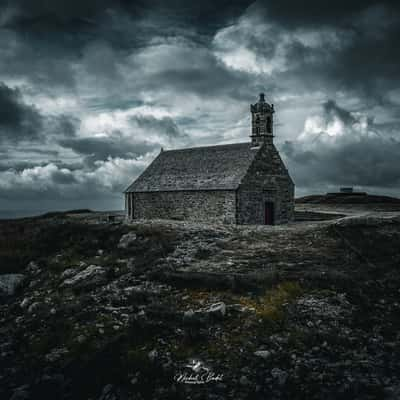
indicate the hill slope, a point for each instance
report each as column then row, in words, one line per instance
column 110, row 311
column 341, row 198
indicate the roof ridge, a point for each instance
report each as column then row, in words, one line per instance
column 206, row 167
column 206, row 147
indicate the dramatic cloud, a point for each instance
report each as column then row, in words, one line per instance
column 17, row 120
column 339, row 148
column 91, row 90
column 57, row 182
column 102, row 148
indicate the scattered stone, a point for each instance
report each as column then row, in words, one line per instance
column 347, row 351
column 56, row 354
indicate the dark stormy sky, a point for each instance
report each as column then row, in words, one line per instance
column 91, row 89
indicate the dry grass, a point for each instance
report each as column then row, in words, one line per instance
column 270, row 305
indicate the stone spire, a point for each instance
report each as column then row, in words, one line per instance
column 261, row 122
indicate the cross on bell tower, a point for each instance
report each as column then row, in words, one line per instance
column 261, row 122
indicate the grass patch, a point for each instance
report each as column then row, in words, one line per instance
column 270, row 306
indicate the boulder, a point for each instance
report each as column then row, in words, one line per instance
column 217, row 309
column 280, row 375
column 202, row 315
column 9, row 283
column 33, row 268
column 262, row 353
column 153, row 355
column 91, row 276
column 21, row 393
column 244, row 380
column 68, row 272
column 126, row 240
column 111, row 392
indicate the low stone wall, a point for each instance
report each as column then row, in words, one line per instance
column 204, row 206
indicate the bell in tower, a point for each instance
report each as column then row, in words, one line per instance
column 261, row 122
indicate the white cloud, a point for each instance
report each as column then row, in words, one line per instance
column 251, row 45
column 259, row 46
column 108, row 178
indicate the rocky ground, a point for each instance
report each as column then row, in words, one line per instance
column 91, row 308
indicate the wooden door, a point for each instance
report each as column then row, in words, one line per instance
column 269, row 213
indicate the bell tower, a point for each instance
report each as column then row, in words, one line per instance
column 261, row 122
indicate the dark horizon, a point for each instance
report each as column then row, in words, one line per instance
column 90, row 92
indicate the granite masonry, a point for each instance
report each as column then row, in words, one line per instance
column 241, row 183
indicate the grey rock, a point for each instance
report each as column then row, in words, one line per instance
column 33, row 268
column 21, row 393
column 68, row 272
column 108, row 393
column 244, row 381
column 262, row 353
column 202, row 315
column 34, row 307
column 56, row 354
column 392, row 392
column 153, row 355
column 217, row 309
column 188, row 315
column 25, row 302
column 240, row 308
column 9, row 283
column 280, row 375
column 127, row 240
column 91, row 276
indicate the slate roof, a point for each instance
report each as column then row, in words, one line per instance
column 200, row 168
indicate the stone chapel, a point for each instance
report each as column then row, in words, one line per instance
column 240, row 183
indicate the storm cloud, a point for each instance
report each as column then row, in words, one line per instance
column 341, row 148
column 90, row 91
column 17, row 120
